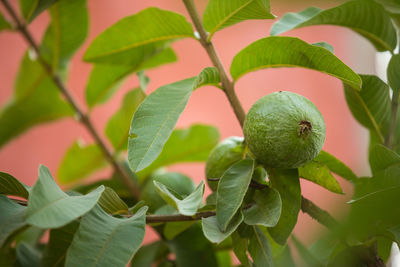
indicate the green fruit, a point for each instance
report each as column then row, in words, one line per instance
column 177, row 182
column 284, row 130
column 222, row 157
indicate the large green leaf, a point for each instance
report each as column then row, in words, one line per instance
column 105, row 79
column 335, row 165
column 4, row 25
column 260, row 248
column 320, row 174
column 11, row 218
column 305, row 254
column 172, row 229
column 231, row 190
column 240, row 246
column 59, row 241
column 393, row 72
column 50, row 207
column 212, row 231
column 117, row 129
column 192, row 249
column 266, row 208
column 220, row 14
column 272, row 52
column 370, row 106
column 147, row 254
column 66, row 33
column 381, row 158
column 187, row 205
column 136, row 37
column 185, row 145
column 30, row 9
column 80, row 161
column 288, row 185
column 365, row 17
column 154, row 121
column 9, row 185
column 27, row 256
column 111, row 203
column 102, row 240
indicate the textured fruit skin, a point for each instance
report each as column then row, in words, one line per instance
column 284, row 130
column 222, row 157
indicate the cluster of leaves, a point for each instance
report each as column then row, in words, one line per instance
column 93, row 224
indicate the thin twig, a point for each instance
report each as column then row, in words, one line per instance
column 83, row 118
column 227, row 84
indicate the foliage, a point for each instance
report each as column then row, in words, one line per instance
column 103, row 223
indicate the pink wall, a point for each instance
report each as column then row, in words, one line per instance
column 46, row 144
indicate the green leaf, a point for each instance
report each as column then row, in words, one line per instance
column 272, row 52
column 192, row 249
column 136, row 37
column 305, row 254
column 335, row 165
column 144, row 80
column 117, row 129
column 367, row 18
column 231, row 190
column 59, row 241
column 102, row 240
column 320, row 174
column 240, row 247
column 50, row 207
column 393, row 70
column 105, row 79
column 192, row 144
column 172, row 229
column 11, row 219
column 30, row 9
column 220, row 14
column 27, row 256
column 186, row 206
column 66, row 33
column 146, row 255
column 208, row 76
column 80, row 161
column 370, row 106
column 4, row 24
column 260, row 248
column 154, row 121
column 9, row 185
column 382, row 158
column 111, row 203
column 266, row 208
column 325, row 45
column 212, row 231
column 288, row 185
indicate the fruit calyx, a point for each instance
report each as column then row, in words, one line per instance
column 305, row 128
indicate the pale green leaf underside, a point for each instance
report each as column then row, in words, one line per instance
column 103, row 240
column 50, row 207
column 111, row 203
column 370, row 106
column 365, row 17
column 186, row 206
column 266, row 209
column 231, row 190
column 272, row 52
column 117, row 128
column 185, row 145
column 220, row 14
column 9, row 185
column 80, row 161
column 213, row 233
column 260, row 248
column 105, row 79
column 11, row 218
column 138, row 35
column 287, row 183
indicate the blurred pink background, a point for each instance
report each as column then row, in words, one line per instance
column 345, row 138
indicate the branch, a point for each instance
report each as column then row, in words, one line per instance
column 227, row 85
column 83, row 118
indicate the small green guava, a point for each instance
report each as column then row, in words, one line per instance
column 284, row 130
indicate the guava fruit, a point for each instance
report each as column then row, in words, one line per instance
column 222, row 157
column 284, row 130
